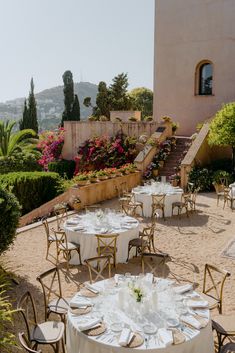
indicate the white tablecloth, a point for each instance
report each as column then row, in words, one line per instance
column 144, row 194
column 92, row 223
column 77, row 342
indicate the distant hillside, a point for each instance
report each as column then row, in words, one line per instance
column 50, row 105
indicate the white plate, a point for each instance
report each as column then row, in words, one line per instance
column 173, row 322
column 149, row 329
column 116, row 326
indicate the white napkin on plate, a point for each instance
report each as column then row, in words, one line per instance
column 183, row 289
column 201, row 312
column 165, row 336
column 192, row 321
column 125, row 337
column 92, row 288
column 92, row 323
column 79, row 302
column 197, row 304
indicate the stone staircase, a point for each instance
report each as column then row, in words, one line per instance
column 176, row 156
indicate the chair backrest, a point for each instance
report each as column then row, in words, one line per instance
column 46, row 227
column 61, row 237
column 97, row 265
column 224, row 181
column 127, row 208
column 61, row 214
column 51, row 285
column 152, row 261
column 158, row 200
column 186, row 197
column 218, row 187
column 216, row 278
column 27, row 308
column 26, row 344
column 106, row 243
column 194, row 194
column 149, row 231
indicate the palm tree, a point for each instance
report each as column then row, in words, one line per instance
column 13, row 142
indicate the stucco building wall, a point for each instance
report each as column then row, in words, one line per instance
column 187, row 32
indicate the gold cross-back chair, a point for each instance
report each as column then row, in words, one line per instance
column 153, row 262
column 97, row 265
column 144, row 241
column 158, row 203
column 107, row 245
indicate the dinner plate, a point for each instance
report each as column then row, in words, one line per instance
column 149, row 329
column 116, row 326
column 173, row 322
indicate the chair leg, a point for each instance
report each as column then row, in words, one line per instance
column 129, row 248
column 79, row 255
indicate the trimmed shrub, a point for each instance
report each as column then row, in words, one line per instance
column 19, row 163
column 9, row 218
column 63, row 167
column 32, row 189
column 201, row 177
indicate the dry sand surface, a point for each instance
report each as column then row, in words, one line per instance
column 191, row 242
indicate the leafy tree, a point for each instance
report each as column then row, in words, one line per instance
column 102, row 100
column 15, row 142
column 142, row 99
column 76, row 109
column 222, row 128
column 32, row 109
column 29, row 120
column 119, row 100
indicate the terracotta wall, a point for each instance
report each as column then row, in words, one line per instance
column 76, row 132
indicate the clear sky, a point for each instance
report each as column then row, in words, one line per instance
column 95, row 39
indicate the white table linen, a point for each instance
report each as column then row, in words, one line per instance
column 81, row 229
column 107, row 306
column 144, row 194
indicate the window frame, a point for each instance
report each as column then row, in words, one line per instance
column 198, row 72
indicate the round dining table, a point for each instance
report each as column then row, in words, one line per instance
column 144, row 194
column 81, row 229
column 167, row 319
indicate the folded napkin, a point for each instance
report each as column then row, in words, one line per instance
column 192, row 321
column 125, row 337
column 79, row 302
column 92, row 288
column 165, row 336
column 78, row 228
column 92, row 323
column 200, row 312
column 72, row 222
column 197, row 303
column 183, row 289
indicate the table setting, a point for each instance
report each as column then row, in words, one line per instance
column 138, row 312
column 144, row 194
column 82, row 228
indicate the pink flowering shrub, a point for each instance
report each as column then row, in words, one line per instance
column 50, row 144
column 102, row 152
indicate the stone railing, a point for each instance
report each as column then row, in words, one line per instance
column 145, row 156
column 89, row 194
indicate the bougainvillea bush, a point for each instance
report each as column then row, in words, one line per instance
column 101, row 152
column 50, row 144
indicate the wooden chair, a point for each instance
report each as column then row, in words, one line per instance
column 61, row 214
column 145, row 240
column 213, row 292
column 107, row 245
column 50, row 236
column 26, row 344
column 192, row 199
column 219, row 189
column 65, row 247
column 224, row 325
column 54, row 302
column 46, row 333
column 152, row 261
column 183, row 204
column 158, row 203
column 229, row 196
column 97, row 265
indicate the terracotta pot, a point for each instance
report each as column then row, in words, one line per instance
column 76, row 206
column 174, row 182
column 93, row 180
column 155, row 172
column 104, row 177
column 82, row 182
column 161, row 164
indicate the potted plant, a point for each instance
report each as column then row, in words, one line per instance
column 132, row 118
column 76, row 204
column 101, row 175
column 174, row 127
column 81, row 179
column 103, row 118
column 175, row 179
column 155, row 168
column 93, row 177
column 148, row 118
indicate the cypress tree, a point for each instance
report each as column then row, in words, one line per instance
column 103, row 100
column 24, row 121
column 76, row 109
column 32, row 109
column 68, row 96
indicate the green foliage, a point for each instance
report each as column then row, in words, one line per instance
column 76, row 109
column 219, row 174
column 221, row 164
column 20, row 162
column 102, row 101
column 201, row 177
column 7, row 339
column 32, row 189
column 222, row 127
column 142, row 99
column 63, row 167
column 15, row 142
column 71, row 103
column 9, row 218
column 29, row 120
column 119, row 100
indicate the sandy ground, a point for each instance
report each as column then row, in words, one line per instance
column 191, row 242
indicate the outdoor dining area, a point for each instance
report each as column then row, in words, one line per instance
column 153, row 310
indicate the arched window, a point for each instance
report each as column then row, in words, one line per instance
column 204, row 78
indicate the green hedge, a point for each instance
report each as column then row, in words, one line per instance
column 19, row 163
column 63, row 167
column 32, row 189
column 9, row 218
